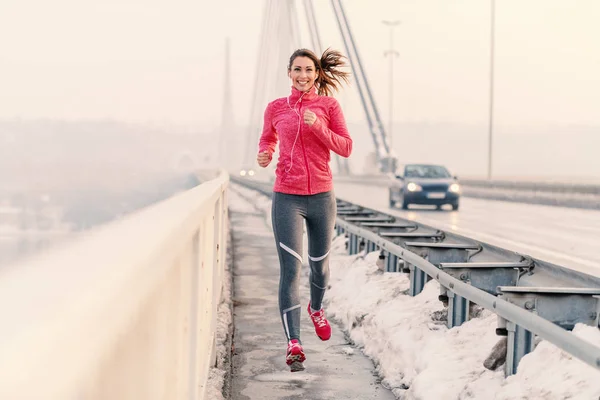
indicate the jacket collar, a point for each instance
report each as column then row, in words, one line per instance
column 296, row 94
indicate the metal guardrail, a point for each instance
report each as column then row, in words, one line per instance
column 530, row 296
column 519, row 323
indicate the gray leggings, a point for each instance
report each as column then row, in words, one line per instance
column 288, row 213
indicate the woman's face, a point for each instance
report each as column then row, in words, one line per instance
column 303, row 73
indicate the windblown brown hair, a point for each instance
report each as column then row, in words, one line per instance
column 328, row 66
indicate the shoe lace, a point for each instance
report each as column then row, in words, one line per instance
column 319, row 318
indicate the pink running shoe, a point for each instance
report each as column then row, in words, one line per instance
column 295, row 356
column 322, row 327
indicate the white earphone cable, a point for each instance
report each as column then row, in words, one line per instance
column 297, row 132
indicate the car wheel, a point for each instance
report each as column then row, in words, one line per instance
column 392, row 201
column 455, row 206
column 403, row 203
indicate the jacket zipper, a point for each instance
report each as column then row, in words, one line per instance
column 305, row 158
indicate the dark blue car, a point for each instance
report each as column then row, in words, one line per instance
column 424, row 184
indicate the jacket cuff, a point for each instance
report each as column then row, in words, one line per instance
column 263, row 149
column 317, row 125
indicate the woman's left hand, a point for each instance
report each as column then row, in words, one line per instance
column 309, row 117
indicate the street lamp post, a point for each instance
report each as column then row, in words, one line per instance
column 491, row 112
column 392, row 53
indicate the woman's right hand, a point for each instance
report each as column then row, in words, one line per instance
column 263, row 159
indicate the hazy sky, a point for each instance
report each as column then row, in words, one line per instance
column 161, row 61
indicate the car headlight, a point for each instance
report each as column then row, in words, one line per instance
column 455, row 188
column 243, row 172
column 413, row 187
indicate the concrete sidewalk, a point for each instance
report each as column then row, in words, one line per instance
column 334, row 369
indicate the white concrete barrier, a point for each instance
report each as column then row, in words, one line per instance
column 125, row 312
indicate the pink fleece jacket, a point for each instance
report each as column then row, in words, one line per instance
column 304, row 151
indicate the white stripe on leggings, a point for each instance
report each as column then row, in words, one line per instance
column 318, row 258
column 292, row 252
column 285, row 322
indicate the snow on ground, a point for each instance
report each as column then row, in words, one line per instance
column 420, row 358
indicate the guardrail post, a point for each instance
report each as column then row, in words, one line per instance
column 339, row 229
column 353, row 246
column 392, row 262
column 350, row 235
column 371, row 246
column 443, row 296
column 520, row 343
column 501, row 328
column 362, row 244
column 597, row 311
column 458, row 309
column 418, row 278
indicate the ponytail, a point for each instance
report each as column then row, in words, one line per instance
column 330, row 76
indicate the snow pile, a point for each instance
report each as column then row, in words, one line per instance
column 418, row 357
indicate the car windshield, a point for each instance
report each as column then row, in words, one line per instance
column 426, row 171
